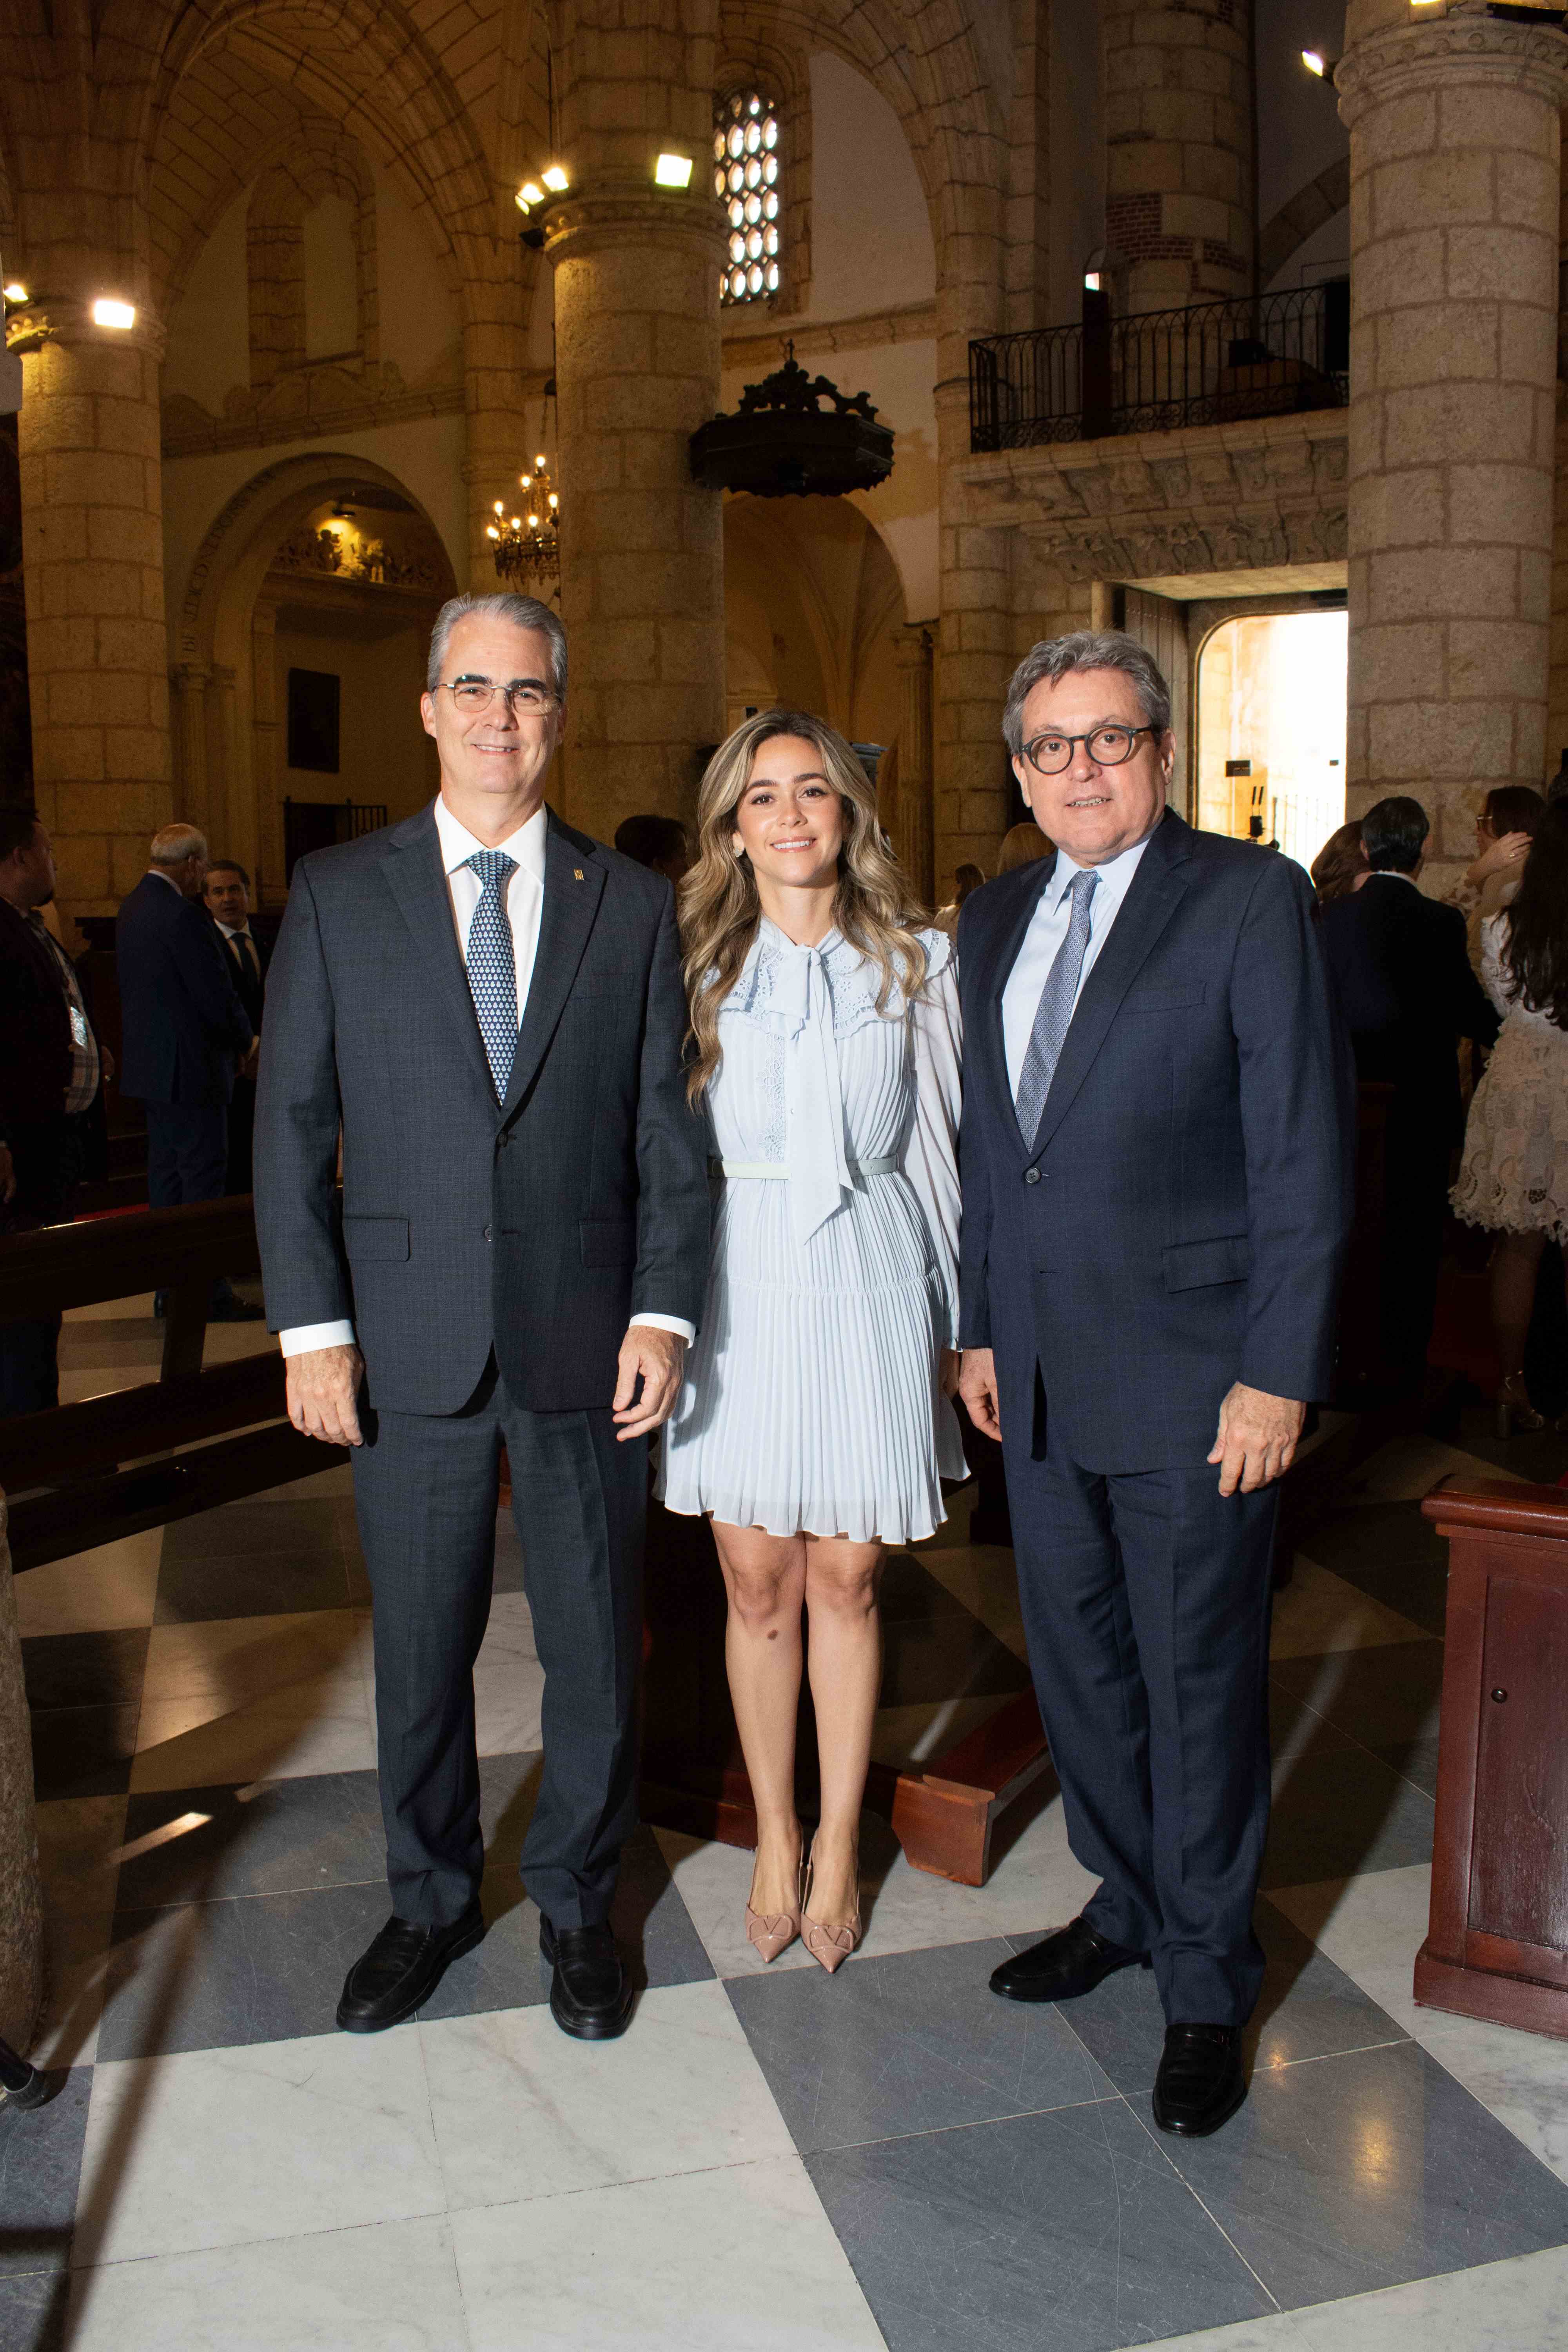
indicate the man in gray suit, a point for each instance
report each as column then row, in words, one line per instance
column 490, row 1004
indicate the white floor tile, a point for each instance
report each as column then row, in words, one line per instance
column 709, row 2261
column 1274, row 2333
column 392, row 2288
column 1372, row 1927
column 509, row 1681
column 713, row 1881
column 93, row 1591
column 1519, row 2305
column 1319, row 1610
column 520, row 2111
column 251, row 1698
column 1523, row 2078
column 1035, row 1881
column 226, row 2148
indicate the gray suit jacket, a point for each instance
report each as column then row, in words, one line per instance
column 540, row 1228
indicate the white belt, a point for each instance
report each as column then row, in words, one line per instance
column 764, row 1172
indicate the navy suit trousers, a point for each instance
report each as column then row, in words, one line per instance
column 1146, row 1601
column 187, row 1152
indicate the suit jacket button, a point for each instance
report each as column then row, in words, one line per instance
column 1031, row 1175
column 487, row 1232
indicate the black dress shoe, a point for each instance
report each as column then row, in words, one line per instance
column 589, row 1994
column 1200, row 2084
column 400, row 1970
column 1072, row 1962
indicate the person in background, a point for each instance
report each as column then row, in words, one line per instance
column 965, row 882
column 1504, row 831
column 184, row 1034
column 1406, row 988
column 228, row 895
column 50, row 1067
column 1557, row 790
column 1022, row 845
column 660, row 842
column 1513, row 1175
column 1340, row 868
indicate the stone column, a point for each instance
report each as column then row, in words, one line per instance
column 21, row 1904
column 974, row 661
column 263, row 819
column 92, row 556
column 1178, row 135
column 1454, row 195
column 191, row 737
column 912, row 650
column 637, row 370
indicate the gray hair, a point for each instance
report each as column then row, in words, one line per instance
column 1053, row 658
column 522, row 612
column 172, row 844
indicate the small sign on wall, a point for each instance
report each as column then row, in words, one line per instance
column 314, row 700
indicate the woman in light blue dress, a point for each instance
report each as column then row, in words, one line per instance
column 815, row 1425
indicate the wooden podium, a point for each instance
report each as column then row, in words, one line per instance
column 1497, row 1945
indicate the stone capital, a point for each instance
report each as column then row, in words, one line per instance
column 190, row 677
column 912, row 644
column 1453, row 51
column 612, row 216
column 68, row 320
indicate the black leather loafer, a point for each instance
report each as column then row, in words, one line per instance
column 1072, row 1962
column 397, row 1973
column 589, row 1993
column 1200, row 2084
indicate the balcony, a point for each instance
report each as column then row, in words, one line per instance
column 1211, row 363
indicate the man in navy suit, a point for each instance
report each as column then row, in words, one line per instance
column 1156, row 1198
column 227, row 894
column 185, row 1031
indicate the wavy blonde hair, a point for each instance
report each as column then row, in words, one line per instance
column 876, row 910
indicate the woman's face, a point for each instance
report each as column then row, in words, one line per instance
column 790, row 821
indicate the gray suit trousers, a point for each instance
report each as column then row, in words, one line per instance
column 426, row 1494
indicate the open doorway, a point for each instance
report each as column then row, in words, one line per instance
column 1271, row 730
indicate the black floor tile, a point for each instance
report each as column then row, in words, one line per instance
column 909, row 2043
column 281, row 1584
column 1307, row 2009
column 260, row 1529
column 33, row 2311
column 1336, row 1815
column 1387, row 1549
column 1414, row 1760
column 83, row 1751
column 1069, row 2231
column 85, row 1669
column 1381, row 1697
column 216, row 1976
column 909, row 1590
column 40, row 2167
column 1360, row 2171
column 945, row 1657
column 275, row 1837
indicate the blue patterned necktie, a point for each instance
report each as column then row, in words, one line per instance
column 493, row 966
column 1054, row 1010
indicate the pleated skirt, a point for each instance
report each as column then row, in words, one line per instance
column 812, row 1403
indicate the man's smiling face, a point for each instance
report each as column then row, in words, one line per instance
column 1094, row 813
column 501, row 751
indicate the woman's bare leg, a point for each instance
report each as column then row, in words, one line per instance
column 764, row 1576
column 844, row 1659
column 1516, row 1261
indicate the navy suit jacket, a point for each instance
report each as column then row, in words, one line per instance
column 184, row 1024
column 1179, row 1220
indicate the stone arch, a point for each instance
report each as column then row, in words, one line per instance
column 1302, row 217
column 275, row 238
column 815, row 575
column 226, row 720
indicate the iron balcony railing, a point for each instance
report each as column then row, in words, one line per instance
column 1212, row 364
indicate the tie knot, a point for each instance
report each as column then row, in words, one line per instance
column 1082, row 886
column 492, row 866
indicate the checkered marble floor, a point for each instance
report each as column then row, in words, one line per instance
column 770, row 2158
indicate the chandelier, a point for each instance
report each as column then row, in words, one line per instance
column 528, row 545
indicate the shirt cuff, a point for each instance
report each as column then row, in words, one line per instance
column 676, row 1323
column 316, row 1335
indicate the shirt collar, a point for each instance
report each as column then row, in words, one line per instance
column 525, row 847
column 159, row 875
column 1392, row 873
column 232, row 930
column 1113, row 877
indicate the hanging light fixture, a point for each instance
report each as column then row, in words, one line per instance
column 528, row 545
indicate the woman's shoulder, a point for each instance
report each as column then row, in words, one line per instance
column 939, row 949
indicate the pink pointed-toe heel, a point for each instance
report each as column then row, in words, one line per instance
column 769, row 1933
column 827, row 1945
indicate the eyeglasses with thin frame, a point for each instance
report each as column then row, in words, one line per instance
column 528, row 696
column 1108, row 746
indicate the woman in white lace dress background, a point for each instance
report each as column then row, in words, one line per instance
column 816, row 1426
column 1513, row 1176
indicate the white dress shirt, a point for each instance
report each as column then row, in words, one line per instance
column 1048, row 929
column 524, row 908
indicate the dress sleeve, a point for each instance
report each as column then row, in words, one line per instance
column 931, row 1151
column 1495, row 975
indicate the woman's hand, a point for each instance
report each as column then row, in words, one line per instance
column 1501, row 858
column 947, row 1371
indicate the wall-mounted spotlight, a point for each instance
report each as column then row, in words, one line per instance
column 1317, row 61
column 554, row 178
column 672, row 171
column 15, row 291
column 529, row 195
column 109, row 313
column 1092, row 282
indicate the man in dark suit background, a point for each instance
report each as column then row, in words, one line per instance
column 227, row 892
column 1402, row 977
column 184, row 1032
column 491, row 1005
column 50, row 1066
column 1155, row 1200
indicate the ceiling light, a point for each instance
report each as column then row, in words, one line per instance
column 16, row 292
column 108, row 312
column 672, row 171
column 1092, row 282
column 554, row 177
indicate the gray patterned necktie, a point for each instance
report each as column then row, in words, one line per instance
column 1054, row 1010
column 492, row 965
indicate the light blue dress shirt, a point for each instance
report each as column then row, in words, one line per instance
column 1048, row 929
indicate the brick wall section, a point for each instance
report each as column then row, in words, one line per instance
column 1178, row 134
column 1454, row 196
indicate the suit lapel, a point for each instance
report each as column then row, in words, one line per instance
column 417, row 881
column 574, row 884
column 1155, row 892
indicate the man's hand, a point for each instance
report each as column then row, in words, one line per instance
column 7, row 1177
column 658, row 1359
column 323, row 1393
column 947, row 1371
column 1256, row 1442
column 249, row 1061
column 107, row 1065
column 977, row 1387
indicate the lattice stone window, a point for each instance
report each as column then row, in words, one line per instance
column 746, row 182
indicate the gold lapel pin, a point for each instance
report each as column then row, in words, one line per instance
column 577, row 871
